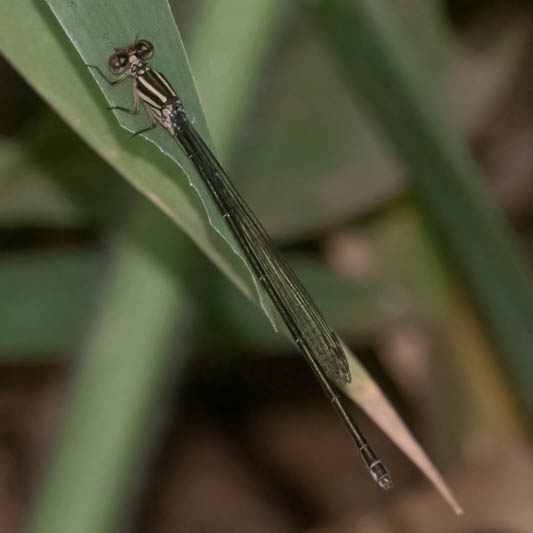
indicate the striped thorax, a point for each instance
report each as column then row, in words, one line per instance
column 150, row 87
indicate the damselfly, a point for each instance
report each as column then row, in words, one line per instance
column 316, row 340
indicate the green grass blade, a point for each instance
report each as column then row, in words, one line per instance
column 378, row 60
column 214, row 51
column 110, row 410
column 58, row 74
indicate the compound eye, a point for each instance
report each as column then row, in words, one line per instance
column 144, row 49
column 118, row 63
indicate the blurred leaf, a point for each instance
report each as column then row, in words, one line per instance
column 47, row 298
column 328, row 159
column 29, row 195
column 232, row 62
column 125, row 369
column 51, row 294
column 376, row 58
column 57, row 73
column 419, row 285
column 309, row 139
column 50, row 177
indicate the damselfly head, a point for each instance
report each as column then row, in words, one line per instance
column 135, row 54
column 118, row 62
